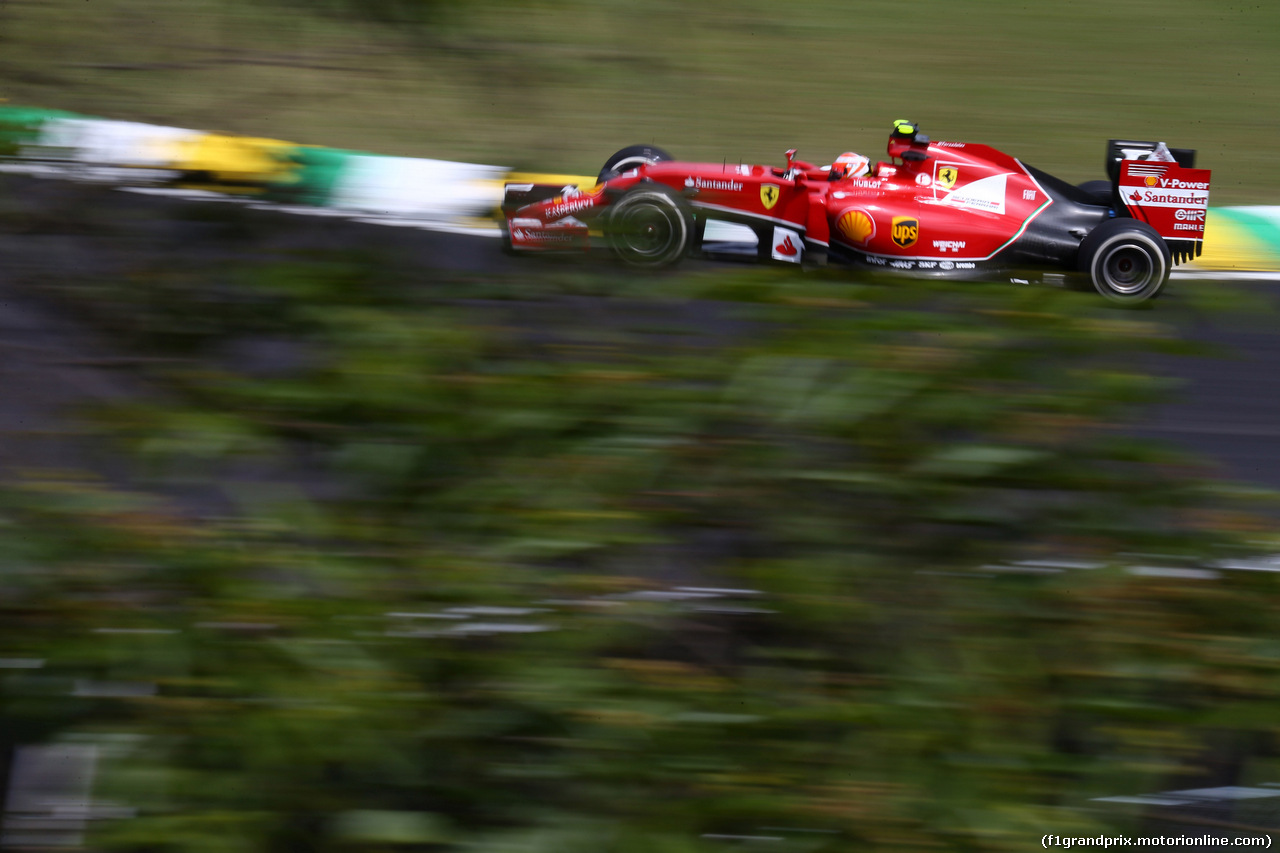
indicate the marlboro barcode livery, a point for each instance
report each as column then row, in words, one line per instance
column 935, row 208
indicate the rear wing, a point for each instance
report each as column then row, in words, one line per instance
column 1119, row 150
column 1162, row 187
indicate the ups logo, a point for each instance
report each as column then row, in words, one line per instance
column 905, row 231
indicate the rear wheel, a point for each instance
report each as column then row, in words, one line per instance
column 1099, row 192
column 1127, row 261
column 648, row 228
column 629, row 158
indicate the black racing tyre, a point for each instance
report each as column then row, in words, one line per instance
column 648, row 227
column 1127, row 261
column 1098, row 192
column 629, row 158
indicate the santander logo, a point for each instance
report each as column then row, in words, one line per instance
column 786, row 247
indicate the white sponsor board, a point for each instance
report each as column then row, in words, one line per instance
column 404, row 186
column 115, row 143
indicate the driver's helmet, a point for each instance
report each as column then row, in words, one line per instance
column 851, row 165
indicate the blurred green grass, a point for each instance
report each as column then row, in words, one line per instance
column 560, row 84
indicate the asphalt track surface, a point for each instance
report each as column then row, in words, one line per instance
column 1227, row 410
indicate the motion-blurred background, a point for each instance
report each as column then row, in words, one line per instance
column 318, row 535
column 557, row 85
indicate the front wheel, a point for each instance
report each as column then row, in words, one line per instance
column 1127, row 261
column 629, row 158
column 647, row 228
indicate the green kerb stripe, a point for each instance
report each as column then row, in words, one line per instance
column 1263, row 224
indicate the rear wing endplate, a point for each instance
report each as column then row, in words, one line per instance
column 1172, row 196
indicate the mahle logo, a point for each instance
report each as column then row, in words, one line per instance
column 905, row 231
column 856, row 226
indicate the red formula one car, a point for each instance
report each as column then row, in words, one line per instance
column 935, row 209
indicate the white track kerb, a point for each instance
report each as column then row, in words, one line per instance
column 425, row 193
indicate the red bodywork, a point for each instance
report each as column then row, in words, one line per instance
column 937, row 206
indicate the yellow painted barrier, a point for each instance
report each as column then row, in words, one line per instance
column 582, row 181
column 224, row 159
column 1236, row 240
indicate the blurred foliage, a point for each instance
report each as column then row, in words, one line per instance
column 419, row 15
column 397, row 561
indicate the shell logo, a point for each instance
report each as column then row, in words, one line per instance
column 1151, row 180
column 856, row 226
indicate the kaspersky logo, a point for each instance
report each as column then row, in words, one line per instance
column 856, row 226
column 905, row 231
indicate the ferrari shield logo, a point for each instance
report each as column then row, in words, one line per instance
column 769, row 195
column 905, row 231
column 946, row 177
